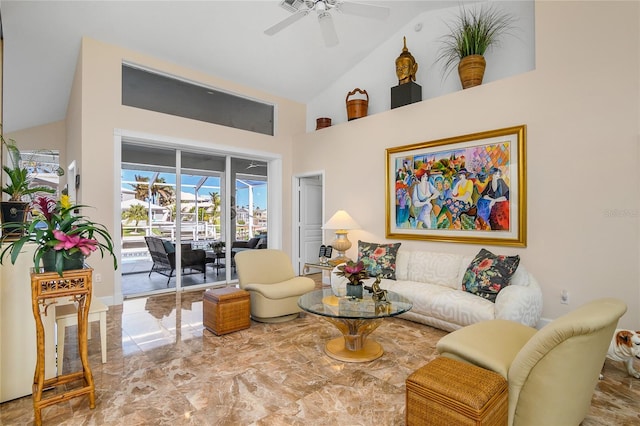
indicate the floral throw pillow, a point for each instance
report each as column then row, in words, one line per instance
column 379, row 259
column 489, row 273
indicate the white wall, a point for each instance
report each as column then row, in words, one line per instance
column 96, row 116
column 377, row 74
column 581, row 110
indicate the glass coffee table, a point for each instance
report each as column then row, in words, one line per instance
column 356, row 319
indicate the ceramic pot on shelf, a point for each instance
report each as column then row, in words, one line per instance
column 13, row 212
column 471, row 69
column 323, row 122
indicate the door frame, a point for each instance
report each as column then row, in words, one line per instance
column 295, row 222
column 274, row 183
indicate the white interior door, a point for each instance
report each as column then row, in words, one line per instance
column 310, row 221
column 71, row 182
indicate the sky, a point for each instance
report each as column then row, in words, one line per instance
column 211, row 185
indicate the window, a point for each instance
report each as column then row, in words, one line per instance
column 169, row 95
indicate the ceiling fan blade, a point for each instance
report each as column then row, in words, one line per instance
column 366, row 10
column 328, row 29
column 286, row 22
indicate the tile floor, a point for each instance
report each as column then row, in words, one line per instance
column 164, row 369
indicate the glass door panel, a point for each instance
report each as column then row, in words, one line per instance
column 148, row 177
column 200, row 201
column 249, row 204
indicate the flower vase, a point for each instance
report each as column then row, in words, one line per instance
column 354, row 290
column 69, row 261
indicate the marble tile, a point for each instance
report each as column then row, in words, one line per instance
column 165, row 368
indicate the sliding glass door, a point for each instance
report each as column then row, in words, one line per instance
column 182, row 212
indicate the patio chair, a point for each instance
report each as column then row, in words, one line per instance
column 164, row 258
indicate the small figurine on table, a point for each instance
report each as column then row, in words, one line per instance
column 378, row 294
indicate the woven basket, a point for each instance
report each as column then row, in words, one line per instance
column 357, row 108
column 471, row 69
column 226, row 310
column 448, row 392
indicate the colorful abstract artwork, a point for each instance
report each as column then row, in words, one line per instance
column 465, row 189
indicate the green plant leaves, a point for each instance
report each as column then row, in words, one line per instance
column 474, row 31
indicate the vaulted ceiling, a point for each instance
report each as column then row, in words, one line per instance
column 221, row 38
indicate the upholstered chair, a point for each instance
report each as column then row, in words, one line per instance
column 551, row 373
column 272, row 285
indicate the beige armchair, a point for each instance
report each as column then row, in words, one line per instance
column 274, row 289
column 551, row 373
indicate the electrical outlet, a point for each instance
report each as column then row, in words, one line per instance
column 97, row 278
column 564, row 297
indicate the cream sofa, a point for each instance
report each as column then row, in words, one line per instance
column 433, row 282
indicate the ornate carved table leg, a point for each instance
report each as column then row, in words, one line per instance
column 84, row 302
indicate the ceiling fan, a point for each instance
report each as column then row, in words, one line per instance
column 253, row 164
column 301, row 8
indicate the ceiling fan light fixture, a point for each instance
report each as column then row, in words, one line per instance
column 322, row 7
column 291, row 5
column 328, row 29
column 323, row 15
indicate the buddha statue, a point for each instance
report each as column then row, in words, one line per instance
column 406, row 66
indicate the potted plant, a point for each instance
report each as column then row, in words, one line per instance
column 474, row 31
column 217, row 246
column 355, row 273
column 18, row 186
column 63, row 237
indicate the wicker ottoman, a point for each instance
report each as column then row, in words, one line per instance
column 448, row 392
column 225, row 310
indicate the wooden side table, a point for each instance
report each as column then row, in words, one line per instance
column 45, row 287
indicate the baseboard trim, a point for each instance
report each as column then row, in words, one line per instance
column 542, row 323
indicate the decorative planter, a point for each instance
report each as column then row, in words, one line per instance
column 354, row 291
column 13, row 212
column 471, row 70
column 69, row 262
column 357, row 108
column 323, row 122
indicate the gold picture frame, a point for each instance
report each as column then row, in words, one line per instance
column 464, row 189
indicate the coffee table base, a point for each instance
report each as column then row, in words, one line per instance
column 354, row 346
column 336, row 349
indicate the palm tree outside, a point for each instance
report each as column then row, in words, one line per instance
column 160, row 193
column 135, row 213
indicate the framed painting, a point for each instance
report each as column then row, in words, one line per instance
column 465, row 189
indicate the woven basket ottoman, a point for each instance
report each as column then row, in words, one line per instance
column 225, row 310
column 447, row 392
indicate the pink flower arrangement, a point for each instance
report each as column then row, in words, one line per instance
column 354, row 272
column 58, row 227
column 67, row 242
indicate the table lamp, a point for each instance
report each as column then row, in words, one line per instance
column 341, row 222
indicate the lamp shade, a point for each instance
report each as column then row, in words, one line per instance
column 342, row 221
